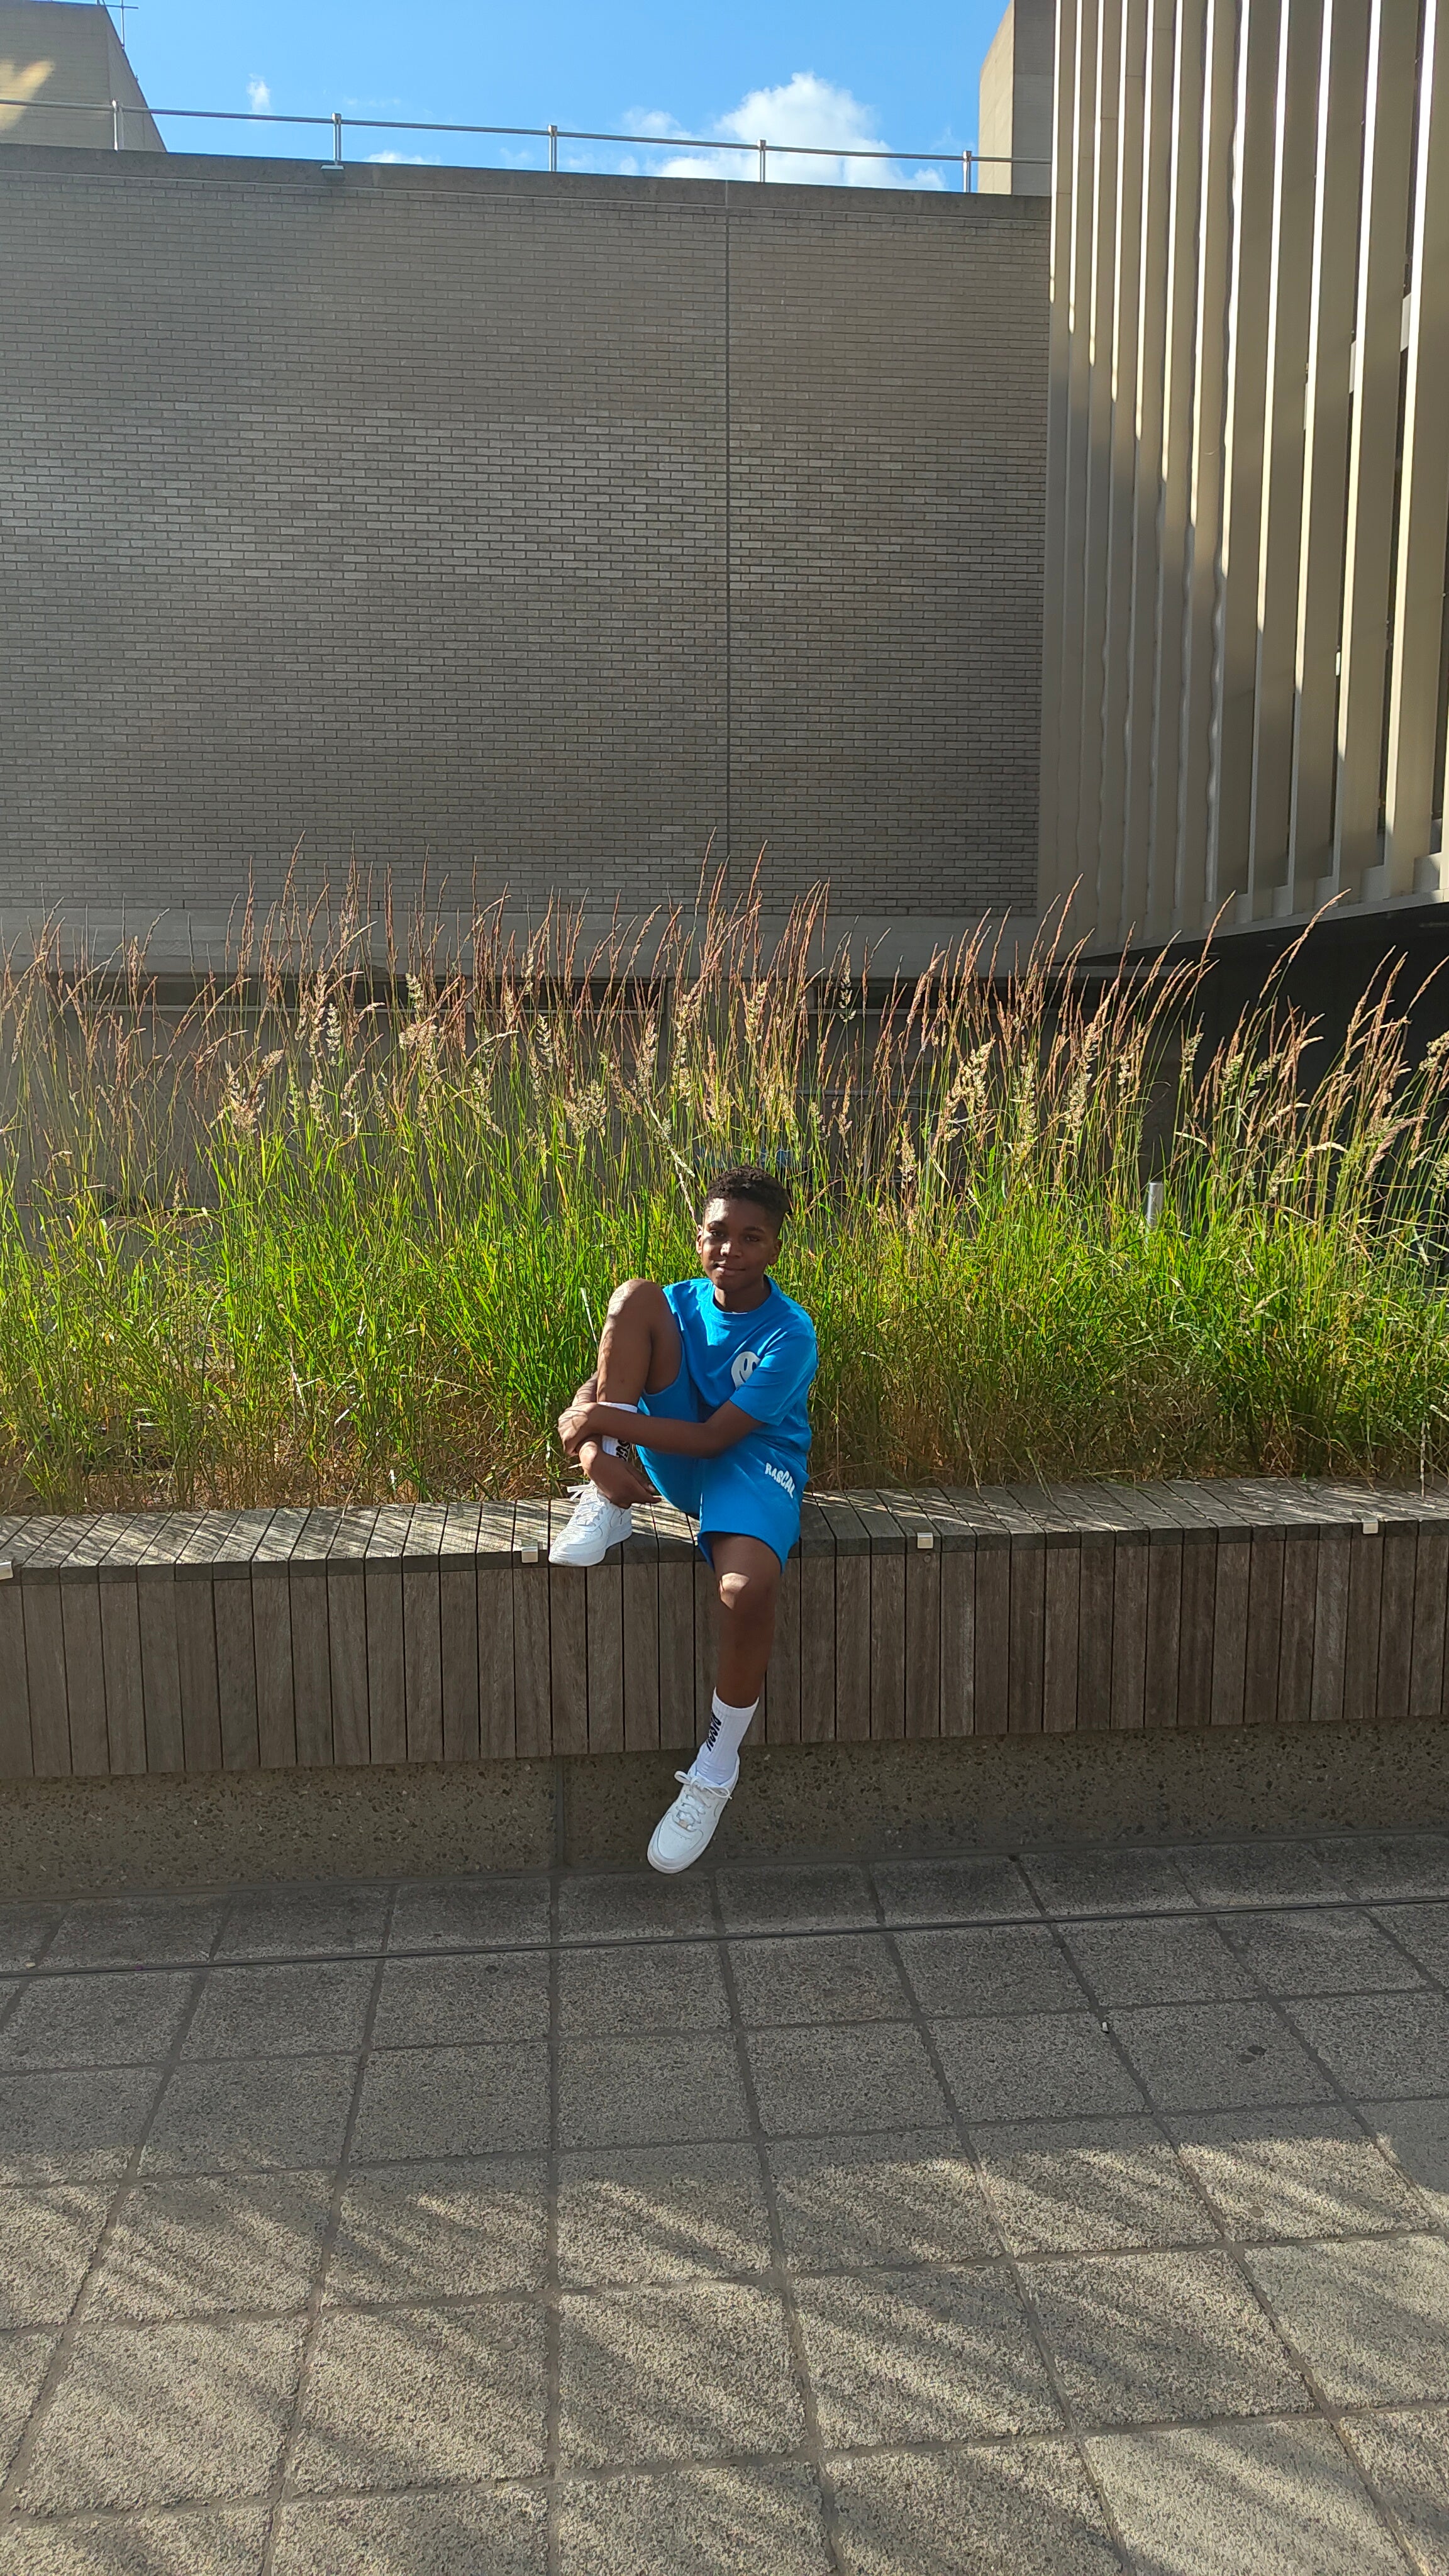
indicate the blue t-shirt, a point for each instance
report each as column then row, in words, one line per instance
column 762, row 1360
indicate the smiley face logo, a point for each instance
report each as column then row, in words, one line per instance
column 745, row 1365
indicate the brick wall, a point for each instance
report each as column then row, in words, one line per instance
column 539, row 527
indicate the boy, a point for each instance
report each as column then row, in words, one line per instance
column 721, row 1366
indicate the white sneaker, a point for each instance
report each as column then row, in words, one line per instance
column 596, row 1526
column 684, row 1829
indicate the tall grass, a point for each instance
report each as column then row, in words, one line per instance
column 344, row 1231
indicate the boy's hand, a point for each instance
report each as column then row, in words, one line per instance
column 575, row 1426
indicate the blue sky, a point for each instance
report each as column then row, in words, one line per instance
column 796, row 71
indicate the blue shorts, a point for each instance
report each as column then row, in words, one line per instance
column 744, row 1493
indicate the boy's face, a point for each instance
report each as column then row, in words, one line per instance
column 737, row 1244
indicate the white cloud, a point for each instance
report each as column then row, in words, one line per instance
column 414, row 160
column 803, row 110
column 260, row 96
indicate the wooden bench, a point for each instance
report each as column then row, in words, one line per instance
column 230, row 1641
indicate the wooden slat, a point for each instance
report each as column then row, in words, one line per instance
column 236, row 1660
column 852, row 1618
column 604, row 1645
column 1263, row 1650
column 817, row 1626
column 991, row 1657
column 85, row 1680
column 1129, row 1631
column 1431, row 1591
column 347, row 1637
column 496, row 1732
column 1396, row 1619
column 307, row 1601
column 1197, row 1622
column 1295, row 1653
column 387, row 1710
column 1161, row 1676
column 887, row 1618
column 1095, row 1620
column 532, row 1685
column 1361, row 1649
column 458, row 1632
column 916, row 1514
column 160, row 1666
column 1026, row 1661
column 124, row 1690
column 45, row 1667
column 678, row 1556
column 706, row 1648
column 17, row 1759
column 1330, row 1623
column 1230, row 1627
column 568, row 1620
column 423, row 1632
column 196, row 1644
column 640, row 1581
column 1062, row 1596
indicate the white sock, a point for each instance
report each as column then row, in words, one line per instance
column 610, row 1448
column 718, row 1757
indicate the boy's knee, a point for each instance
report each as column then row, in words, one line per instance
column 632, row 1295
column 747, row 1595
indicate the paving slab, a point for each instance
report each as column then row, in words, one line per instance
column 648, row 2215
column 1422, row 1930
column 649, row 2092
column 1389, row 1864
column 213, row 2243
column 1322, row 1950
column 1107, row 1882
column 1218, row 2056
column 952, row 1891
column 1223, row 2500
column 1416, row 2136
column 1142, row 2337
column 419, row 2396
column 1370, row 2316
column 70, row 2125
column 463, row 2101
column 1406, row 2453
column 842, row 1976
column 1381, row 2045
column 211, row 2540
column 1089, row 2186
column 932, row 2354
column 1166, row 1960
column 1036, row 2066
column 453, row 2228
column 793, row 1899
column 634, row 1905
column 489, row 1994
column 244, row 2116
column 810, row 2082
column 99, row 2020
column 1261, row 1873
column 149, row 2415
column 684, row 2373
column 730, row 2521
column 137, row 1931
column 850, row 2204
column 1008, row 1968
column 296, row 1923
column 469, row 1913
column 24, row 1933
column 281, row 2011
column 47, row 2239
column 503, row 2531
column 972, row 2510
column 1294, row 2173
column 24, row 2361
column 625, row 1990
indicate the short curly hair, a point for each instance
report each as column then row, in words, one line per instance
column 752, row 1181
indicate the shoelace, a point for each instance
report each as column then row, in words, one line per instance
column 691, row 1810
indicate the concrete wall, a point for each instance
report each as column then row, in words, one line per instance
column 1014, row 132
column 1248, row 486
column 552, row 527
column 68, row 51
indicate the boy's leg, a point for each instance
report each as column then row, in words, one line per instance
column 640, row 1352
column 747, row 1578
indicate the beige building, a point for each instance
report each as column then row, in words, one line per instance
column 1248, row 471
column 1014, row 131
column 64, row 79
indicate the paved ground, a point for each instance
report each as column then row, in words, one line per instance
column 1035, row 2219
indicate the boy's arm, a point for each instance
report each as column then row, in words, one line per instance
column 669, row 1439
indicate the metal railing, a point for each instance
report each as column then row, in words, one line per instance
column 967, row 162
